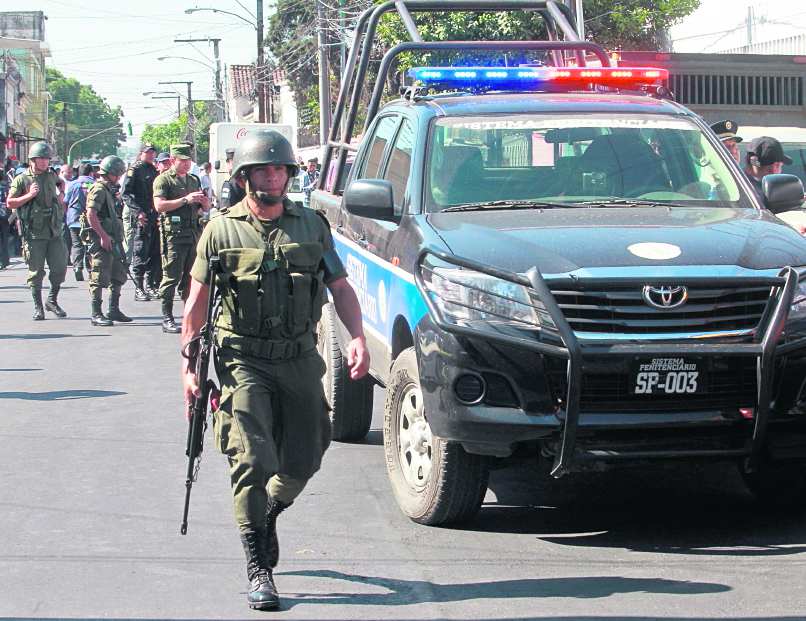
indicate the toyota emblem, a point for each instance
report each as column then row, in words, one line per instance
column 665, row 298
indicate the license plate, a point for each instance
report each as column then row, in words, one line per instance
column 669, row 376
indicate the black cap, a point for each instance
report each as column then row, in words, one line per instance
column 766, row 151
column 162, row 157
column 146, row 146
column 726, row 129
column 230, row 153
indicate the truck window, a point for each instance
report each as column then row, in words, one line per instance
column 397, row 171
column 577, row 159
column 384, row 131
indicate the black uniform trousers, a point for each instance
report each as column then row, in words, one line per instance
column 146, row 258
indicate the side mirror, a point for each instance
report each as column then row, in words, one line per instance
column 370, row 198
column 217, row 165
column 782, row 192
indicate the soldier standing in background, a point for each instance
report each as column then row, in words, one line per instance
column 141, row 218
column 231, row 192
column 177, row 198
column 104, row 219
column 37, row 195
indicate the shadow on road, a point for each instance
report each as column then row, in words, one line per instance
column 60, row 395
column 406, row 592
column 48, row 336
column 700, row 509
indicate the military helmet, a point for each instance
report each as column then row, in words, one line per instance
column 113, row 165
column 262, row 147
column 40, row 149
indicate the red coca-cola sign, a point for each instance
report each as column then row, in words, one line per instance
column 242, row 132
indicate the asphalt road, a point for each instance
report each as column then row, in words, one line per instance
column 92, row 471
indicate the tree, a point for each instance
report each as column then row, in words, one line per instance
column 613, row 24
column 164, row 135
column 87, row 114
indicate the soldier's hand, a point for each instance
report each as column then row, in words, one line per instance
column 33, row 190
column 141, row 219
column 358, row 357
column 106, row 243
column 196, row 197
column 191, row 387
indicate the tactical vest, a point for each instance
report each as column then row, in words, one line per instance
column 108, row 213
column 272, row 288
column 43, row 211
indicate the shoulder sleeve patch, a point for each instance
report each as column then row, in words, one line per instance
column 131, row 172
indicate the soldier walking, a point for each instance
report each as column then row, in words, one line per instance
column 103, row 234
column 273, row 422
column 139, row 214
column 38, row 196
column 177, row 198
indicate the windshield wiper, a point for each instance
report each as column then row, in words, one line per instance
column 506, row 205
column 624, row 202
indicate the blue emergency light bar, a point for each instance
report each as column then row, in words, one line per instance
column 526, row 78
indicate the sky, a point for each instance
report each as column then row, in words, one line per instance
column 117, row 52
column 720, row 25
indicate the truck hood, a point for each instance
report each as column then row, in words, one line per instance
column 559, row 241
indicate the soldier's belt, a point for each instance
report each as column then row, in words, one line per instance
column 265, row 348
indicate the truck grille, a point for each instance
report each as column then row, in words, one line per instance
column 623, row 311
column 731, row 384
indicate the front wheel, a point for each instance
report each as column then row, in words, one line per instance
column 350, row 400
column 777, row 482
column 435, row 481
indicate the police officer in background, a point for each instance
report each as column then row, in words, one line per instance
column 141, row 218
column 103, row 229
column 726, row 132
column 38, row 195
column 178, row 197
column 273, row 422
column 231, row 192
column 162, row 162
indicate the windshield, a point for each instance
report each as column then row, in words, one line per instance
column 576, row 160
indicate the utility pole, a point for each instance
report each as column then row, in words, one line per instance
column 64, row 120
column 324, row 78
column 261, row 90
column 191, row 119
column 219, row 95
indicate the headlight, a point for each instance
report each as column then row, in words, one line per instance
column 797, row 311
column 465, row 295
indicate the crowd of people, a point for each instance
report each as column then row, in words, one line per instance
column 103, row 218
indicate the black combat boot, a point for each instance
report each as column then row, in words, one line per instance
column 79, row 273
column 262, row 593
column 39, row 310
column 168, row 323
column 98, row 318
column 140, row 294
column 52, row 305
column 272, row 543
column 114, row 313
column 153, row 291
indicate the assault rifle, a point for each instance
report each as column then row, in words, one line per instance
column 198, row 350
column 117, row 252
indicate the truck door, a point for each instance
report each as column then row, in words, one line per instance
column 368, row 260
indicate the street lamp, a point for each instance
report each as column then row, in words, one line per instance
column 191, row 120
column 219, row 93
column 186, row 58
column 241, row 17
column 178, row 104
column 258, row 26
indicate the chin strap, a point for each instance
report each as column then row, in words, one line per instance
column 265, row 197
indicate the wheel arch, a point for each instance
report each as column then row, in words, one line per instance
column 402, row 336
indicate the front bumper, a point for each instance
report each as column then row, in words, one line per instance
column 738, row 428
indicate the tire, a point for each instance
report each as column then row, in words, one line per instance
column 434, row 481
column 780, row 483
column 350, row 400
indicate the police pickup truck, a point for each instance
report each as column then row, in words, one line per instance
column 559, row 260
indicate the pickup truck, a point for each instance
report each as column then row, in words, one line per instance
column 558, row 261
